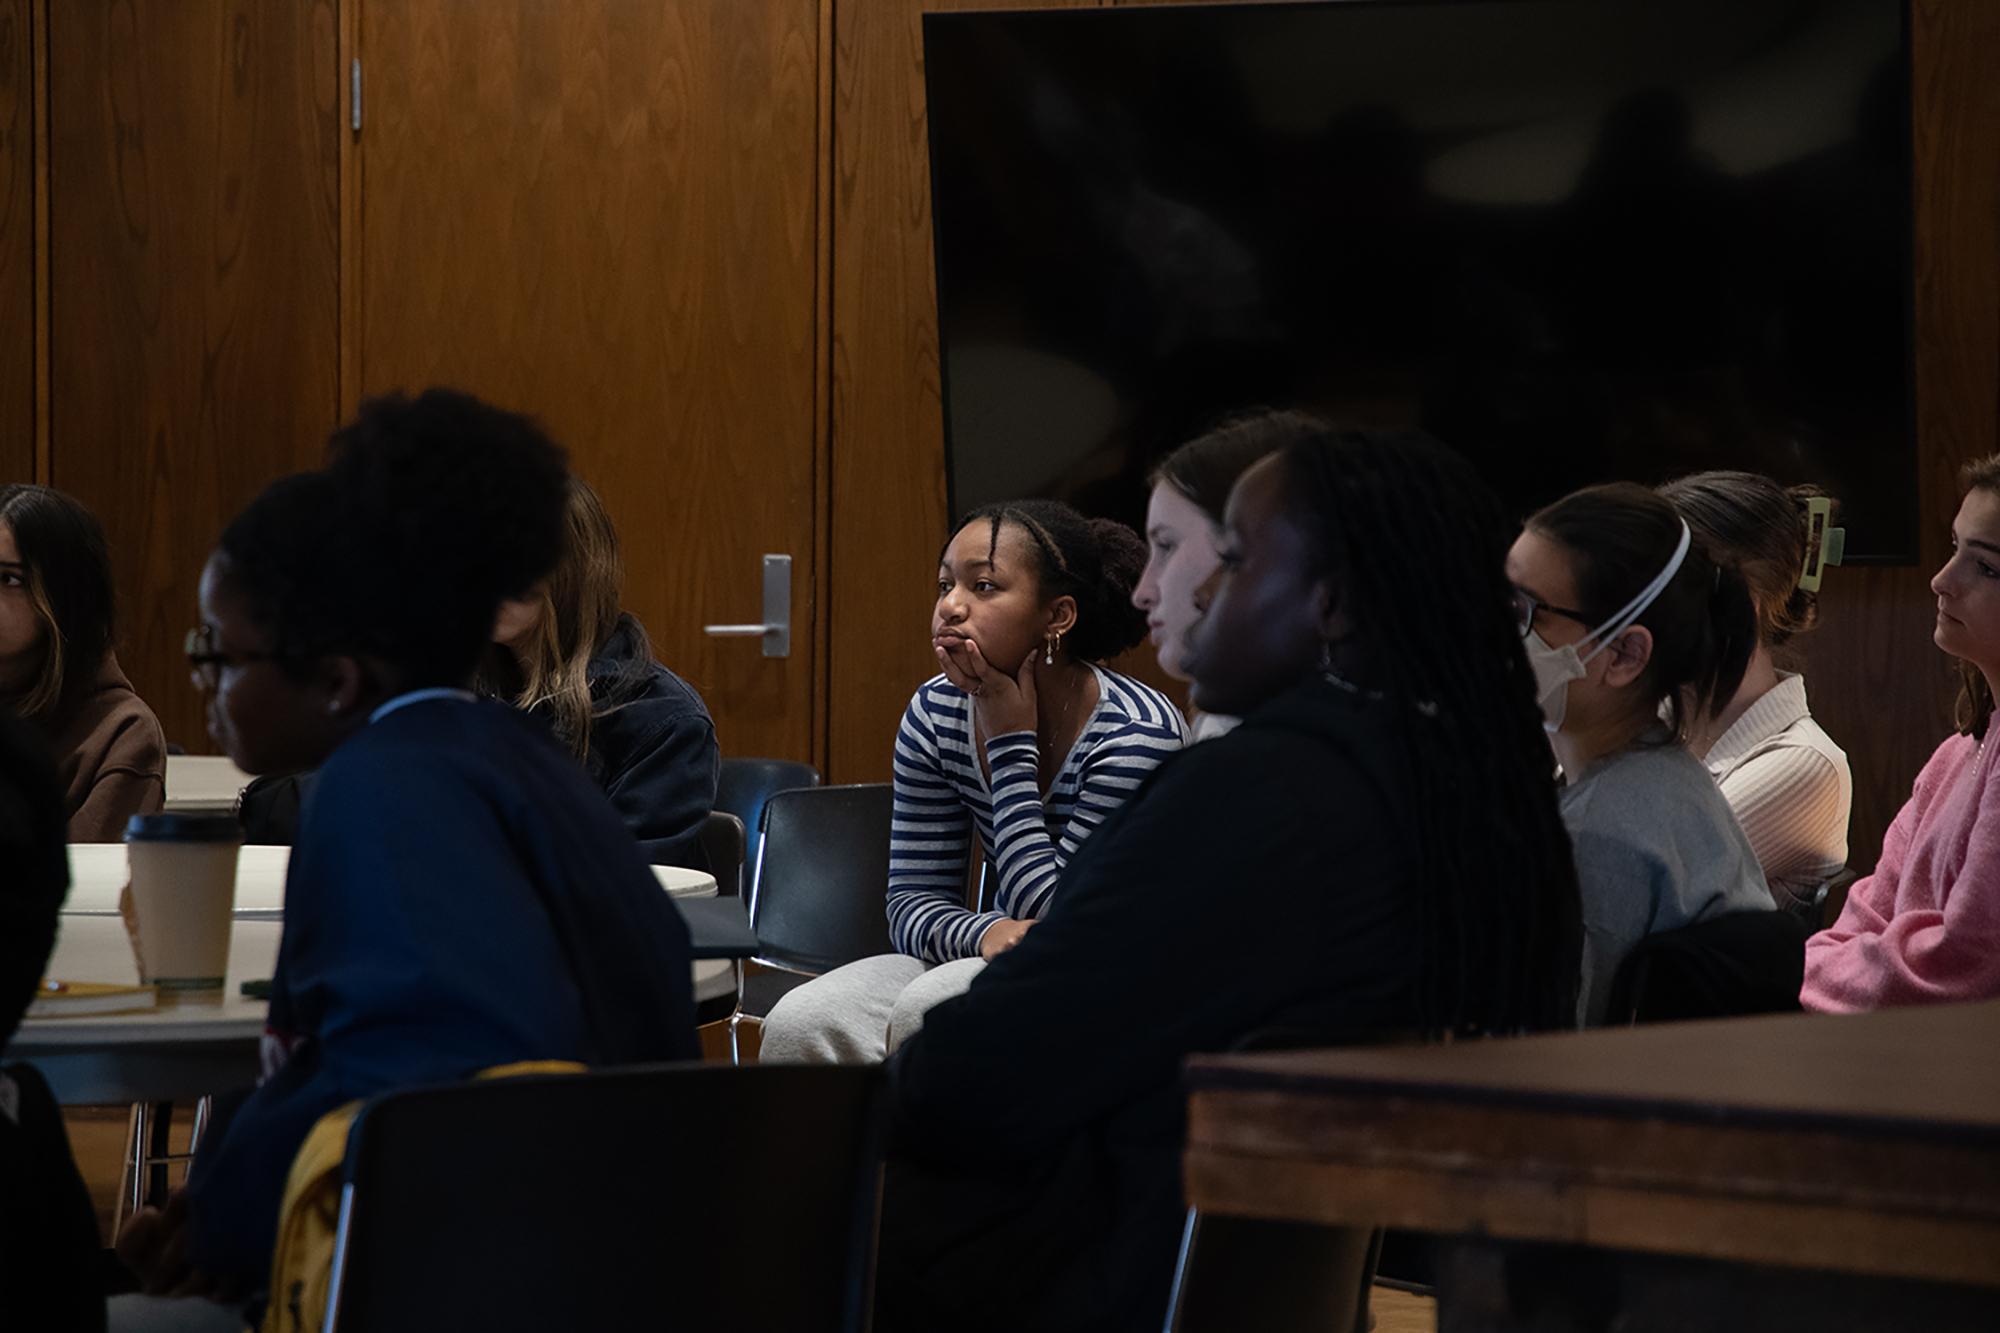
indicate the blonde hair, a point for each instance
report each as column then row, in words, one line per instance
column 579, row 614
column 45, row 692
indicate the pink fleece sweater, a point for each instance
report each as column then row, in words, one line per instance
column 1925, row 927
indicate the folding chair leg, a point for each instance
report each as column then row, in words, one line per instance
column 148, row 1157
column 736, row 1018
column 1179, row 1289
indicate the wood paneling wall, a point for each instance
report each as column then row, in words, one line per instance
column 606, row 213
column 887, row 447
column 17, row 242
column 194, row 260
column 193, row 257
column 1879, row 685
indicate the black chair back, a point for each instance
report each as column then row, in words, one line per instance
column 1255, row 1275
column 52, row 1266
column 744, row 786
column 1728, row 966
column 724, row 848
column 662, row 1196
column 820, row 890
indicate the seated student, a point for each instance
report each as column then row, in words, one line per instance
column 460, row 896
column 1634, row 634
column 1925, row 927
column 51, row 1257
column 1022, row 739
column 1184, row 531
column 57, row 670
column 1374, row 850
column 1784, row 777
column 566, row 653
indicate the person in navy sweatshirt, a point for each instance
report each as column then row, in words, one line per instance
column 460, row 894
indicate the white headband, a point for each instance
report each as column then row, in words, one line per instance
column 1633, row 609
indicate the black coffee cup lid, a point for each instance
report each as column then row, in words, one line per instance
column 183, row 828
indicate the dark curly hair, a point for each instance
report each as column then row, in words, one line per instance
column 428, row 513
column 1749, row 521
column 1206, row 467
column 66, row 568
column 1703, row 624
column 1096, row 561
column 1417, row 545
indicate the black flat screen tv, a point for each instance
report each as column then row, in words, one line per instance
column 1575, row 239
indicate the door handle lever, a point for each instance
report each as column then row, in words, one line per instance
column 776, row 629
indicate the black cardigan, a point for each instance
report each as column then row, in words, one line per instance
column 1259, row 880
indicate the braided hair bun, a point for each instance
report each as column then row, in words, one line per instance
column 1760, row 527
column 1095, row 561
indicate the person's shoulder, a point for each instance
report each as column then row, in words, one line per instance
column 1953, row 751
column 418, row 742
column 936, row 701
column 1269, row 755
column 1800, row 754
column 1642, row 783
column 656, row 704
column 1792, row 732
column 1129, row 704
column 112, row 723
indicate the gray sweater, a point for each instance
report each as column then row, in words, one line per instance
column 1656, row 848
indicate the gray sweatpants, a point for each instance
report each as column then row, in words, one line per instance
column 860, row 1013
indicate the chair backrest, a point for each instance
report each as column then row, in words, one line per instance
column 1830, row 898
column 682, row 1196
column 724, row 849
column 1254, row 1275
column 819, row 898
column 744, row 786
column 1728, row 966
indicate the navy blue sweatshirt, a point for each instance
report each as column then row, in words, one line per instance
column 460, row 896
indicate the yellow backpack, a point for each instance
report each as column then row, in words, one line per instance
column 309, row 1217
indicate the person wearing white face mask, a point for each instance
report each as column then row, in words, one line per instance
column 1633, row 633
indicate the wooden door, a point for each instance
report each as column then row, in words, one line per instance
column 605, row 213
column 17, row 243
column 888, row 492
column 193, row 266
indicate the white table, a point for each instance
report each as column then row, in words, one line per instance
column 175, row 1052
column 98, row 871
column 713, row 977
column 198, row 783
column 180, row 1052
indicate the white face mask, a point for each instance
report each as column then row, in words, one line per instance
column 1555, row 668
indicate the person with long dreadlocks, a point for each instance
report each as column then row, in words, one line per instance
column 1374, row 850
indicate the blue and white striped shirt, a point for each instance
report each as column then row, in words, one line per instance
column 941, row 793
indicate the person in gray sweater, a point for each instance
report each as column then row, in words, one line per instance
column 1634, row 635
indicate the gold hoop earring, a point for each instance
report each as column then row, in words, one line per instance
column 1055, row 642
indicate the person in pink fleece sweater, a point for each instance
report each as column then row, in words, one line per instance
column 1925, row 927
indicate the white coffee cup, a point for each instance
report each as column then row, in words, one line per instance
column 181, row 902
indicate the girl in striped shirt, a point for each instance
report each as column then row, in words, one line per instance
column 1022, row 739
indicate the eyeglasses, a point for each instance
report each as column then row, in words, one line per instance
column 1526, row 604
column 206, row 663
